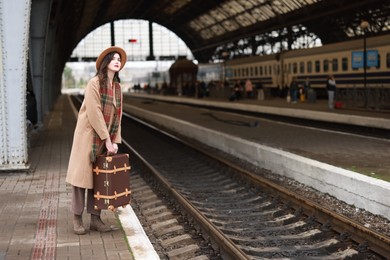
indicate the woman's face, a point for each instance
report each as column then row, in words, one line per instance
column 115, row 64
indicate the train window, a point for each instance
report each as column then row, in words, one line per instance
column 242, row 72
column 270, row 69
column 295, row 68
column 261, row 70
column 318, row 66
column 326, row 65
column 251, row 72
column 265, row 70
column 256, row 71
column 309, row 67
column 335, row 65
column 388, row 60
column 344, row 64
column 246, row 72
column 301, row 67
column 379, row 61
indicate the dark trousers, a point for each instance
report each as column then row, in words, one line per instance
column 78, row 201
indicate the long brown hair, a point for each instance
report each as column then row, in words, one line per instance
column 102, row 71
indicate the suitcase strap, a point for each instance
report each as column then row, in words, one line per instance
column 114, row 171
column 98, row 196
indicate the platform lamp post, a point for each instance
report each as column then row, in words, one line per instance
column 225, row 56
column 364, row 26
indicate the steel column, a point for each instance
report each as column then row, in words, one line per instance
column 14, row 31
column 151, row 50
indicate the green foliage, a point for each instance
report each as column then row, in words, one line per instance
column 68, row 79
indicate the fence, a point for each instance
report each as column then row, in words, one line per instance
column 373, row 97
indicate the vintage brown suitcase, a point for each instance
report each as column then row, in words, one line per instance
column 111, row 181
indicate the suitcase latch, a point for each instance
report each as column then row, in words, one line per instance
column 105, row 165
column 106, row 201
column 106, row 183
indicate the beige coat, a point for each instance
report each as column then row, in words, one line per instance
column 90, row 118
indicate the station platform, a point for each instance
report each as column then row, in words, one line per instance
column 317, row 110
column 35, row 217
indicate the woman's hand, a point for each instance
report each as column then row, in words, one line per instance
column 111, row 148
column 115, row 147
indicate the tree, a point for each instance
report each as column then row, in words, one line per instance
column 68, row 79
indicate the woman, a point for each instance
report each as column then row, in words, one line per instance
column 98, row 127
column 294, row 90
column 331, row 89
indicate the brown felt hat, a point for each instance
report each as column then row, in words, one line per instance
column 119, row 50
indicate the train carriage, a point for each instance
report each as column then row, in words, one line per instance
column 317, row 63
column 277, row 70
column 257, row 68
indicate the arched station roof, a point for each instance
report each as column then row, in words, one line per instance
column 205, row 26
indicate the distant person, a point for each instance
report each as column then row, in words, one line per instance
column 98, row 129
column 242, row 89
column 237, row 90
column 302, row 94
column 306, row 87
column 331, row 88
column 249, row 88
column 294, row 90
column 210, row 86
column 201, row 89
column 260, row 91
column 164, row 88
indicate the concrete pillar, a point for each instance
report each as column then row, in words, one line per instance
column 14, row 31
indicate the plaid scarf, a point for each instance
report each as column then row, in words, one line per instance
column 106, row 95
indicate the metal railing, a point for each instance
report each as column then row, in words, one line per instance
column 373, row 97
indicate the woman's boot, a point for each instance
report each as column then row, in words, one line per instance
column 98, row 225
column 78, row 226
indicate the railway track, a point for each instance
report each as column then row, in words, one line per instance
column 239, row 214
